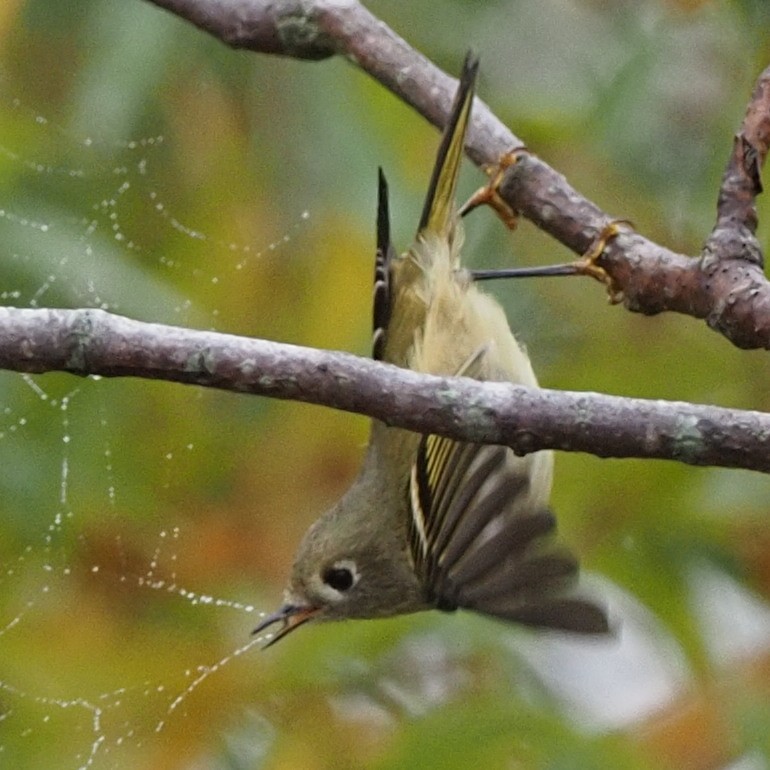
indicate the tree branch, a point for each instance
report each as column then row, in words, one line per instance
column 725, row 285
column 94, row 342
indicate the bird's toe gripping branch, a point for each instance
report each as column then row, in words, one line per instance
column 489, row 194
column 589, row 265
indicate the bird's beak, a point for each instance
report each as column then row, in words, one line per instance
column 291, row 615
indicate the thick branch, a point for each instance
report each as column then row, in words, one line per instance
column 93, row 342
column 725, row 286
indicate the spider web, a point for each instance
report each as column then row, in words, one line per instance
column 72, row 561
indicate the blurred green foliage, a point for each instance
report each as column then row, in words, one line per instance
column 146, row 168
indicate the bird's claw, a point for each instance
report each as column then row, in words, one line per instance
column 589, row 265
column 489, row 194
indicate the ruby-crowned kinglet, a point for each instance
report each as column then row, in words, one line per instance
column 431, row 522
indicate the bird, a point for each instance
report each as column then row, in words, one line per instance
column 430, row 522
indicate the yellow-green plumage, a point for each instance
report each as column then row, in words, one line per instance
column 431, row 522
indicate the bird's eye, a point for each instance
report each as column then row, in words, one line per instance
column 340, row 576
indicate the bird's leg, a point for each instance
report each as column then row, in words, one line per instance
column 588, row 264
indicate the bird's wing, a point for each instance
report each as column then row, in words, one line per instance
column 478, row 543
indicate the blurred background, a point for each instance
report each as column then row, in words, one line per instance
column 147, row 169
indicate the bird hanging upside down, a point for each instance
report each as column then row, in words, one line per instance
column 432, row 523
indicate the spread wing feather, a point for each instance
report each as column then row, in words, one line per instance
column 476, row 548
